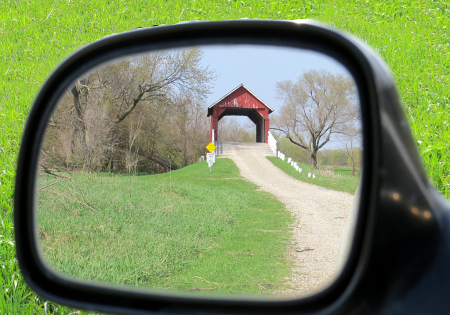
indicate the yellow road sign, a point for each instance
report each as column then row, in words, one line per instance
column 211, row 147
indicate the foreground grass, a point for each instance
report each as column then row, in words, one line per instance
column 411, row 36
column 344, row 182
column 190, row 230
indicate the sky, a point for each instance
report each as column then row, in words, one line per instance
column 259, row 68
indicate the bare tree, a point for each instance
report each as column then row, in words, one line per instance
column 157, row 76
column 315, row 107
column 75, row 140
column 351, row 135
column 90, row 128
column 190, row 128
column 131, row 157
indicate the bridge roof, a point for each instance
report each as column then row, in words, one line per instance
column 210, row 108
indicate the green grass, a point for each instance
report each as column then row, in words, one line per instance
column 344, row 182
column 411, row 36
column 192, row 230
column 346, row 171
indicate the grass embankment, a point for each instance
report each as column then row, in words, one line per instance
column 189, row 230
column 338, row 179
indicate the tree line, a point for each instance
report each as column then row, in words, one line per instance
column 147, row 113
column 144, row 113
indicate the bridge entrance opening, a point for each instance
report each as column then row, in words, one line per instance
column 236, row 129
column 241, row 102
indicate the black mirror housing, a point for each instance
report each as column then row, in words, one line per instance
column 398, row 260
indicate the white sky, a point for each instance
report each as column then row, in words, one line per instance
column 259, row 68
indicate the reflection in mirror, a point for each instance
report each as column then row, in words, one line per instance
column 128, row 195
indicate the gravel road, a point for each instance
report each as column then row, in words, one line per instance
column 320, row 216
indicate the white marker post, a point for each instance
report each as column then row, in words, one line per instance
column 211, row 159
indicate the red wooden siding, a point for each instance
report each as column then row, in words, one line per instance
column 241, row 98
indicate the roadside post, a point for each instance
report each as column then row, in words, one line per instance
column 210, row 157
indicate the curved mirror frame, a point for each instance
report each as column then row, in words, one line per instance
column 304, row 35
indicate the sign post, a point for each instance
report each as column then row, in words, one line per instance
column 210, row 157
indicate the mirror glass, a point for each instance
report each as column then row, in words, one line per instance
column 129, row 194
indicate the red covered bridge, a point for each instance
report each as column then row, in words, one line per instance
column 241, row 102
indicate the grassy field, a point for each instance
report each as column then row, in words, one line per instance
column 345, row 171
column 411, row 36
column 191, row 230
column 337, row 179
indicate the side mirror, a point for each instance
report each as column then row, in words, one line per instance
column 92, row 234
